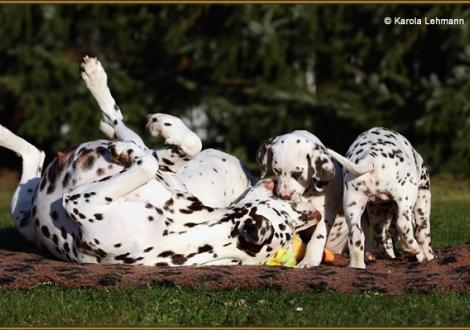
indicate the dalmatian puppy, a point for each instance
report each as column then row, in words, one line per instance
column 381, row 166
column 139, row 214
column 306, row 172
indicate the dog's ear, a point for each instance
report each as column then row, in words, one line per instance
column 256, row 231
column 321, row 168
column 250, row 232
column 310, row 171
column 264, row 157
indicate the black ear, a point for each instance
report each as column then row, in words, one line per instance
column 250, row 232
column 257, row 231
column 324, row 168
column 321, row 169
column 264, row 156
column 310, row 172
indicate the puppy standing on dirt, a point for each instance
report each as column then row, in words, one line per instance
column 305, row 171
column 382, row 166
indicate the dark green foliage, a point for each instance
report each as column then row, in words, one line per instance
column 257, row 71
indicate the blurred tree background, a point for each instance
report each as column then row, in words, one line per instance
column 242, row 73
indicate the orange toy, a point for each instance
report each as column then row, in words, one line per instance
column 299, row 248
column 328, row 256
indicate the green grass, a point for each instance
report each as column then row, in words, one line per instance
column 172, row 306
column 177, row 306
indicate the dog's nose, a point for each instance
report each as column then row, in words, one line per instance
column 314, row 215
column 286, row 196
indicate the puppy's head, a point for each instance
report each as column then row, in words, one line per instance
column 299, row 161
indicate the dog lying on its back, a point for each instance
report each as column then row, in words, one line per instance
column 121, row 202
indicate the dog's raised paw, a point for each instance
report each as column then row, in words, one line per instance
column 92, row 72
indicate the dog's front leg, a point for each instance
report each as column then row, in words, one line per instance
column 314, row 252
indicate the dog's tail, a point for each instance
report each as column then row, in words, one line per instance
column 362, row 167
column 33, row 160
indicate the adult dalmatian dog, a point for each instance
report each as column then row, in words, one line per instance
column 121, row 202
column 381, row 166
column 306, row 172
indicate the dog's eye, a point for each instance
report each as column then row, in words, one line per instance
column 296, row 175
column 276, row 172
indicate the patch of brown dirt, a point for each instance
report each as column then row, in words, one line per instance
column 450, row 271
column 9, row 178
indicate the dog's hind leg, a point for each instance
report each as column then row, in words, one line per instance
column 103, row 214
column 381, row 219
column 338, row 235
column 112, row 124
column 405, row 229
column 88, row 199
column 354, row 206
column 422, row 212
column 21, row 202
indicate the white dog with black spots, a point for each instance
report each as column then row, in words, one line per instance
column 121, row 202
column 306, row 172
column 380, row 167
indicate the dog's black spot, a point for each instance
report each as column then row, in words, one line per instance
column 63, row 232
column 166, row 254
column 205, row 248
column 66, row 179
column 178, row 259
column 45, row 231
